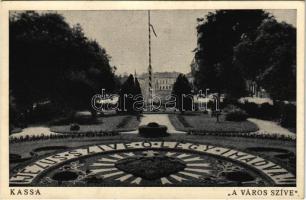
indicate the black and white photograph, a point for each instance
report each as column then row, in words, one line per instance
column 153, row 98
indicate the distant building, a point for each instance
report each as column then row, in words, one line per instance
column 255, row 90
column 162, row 83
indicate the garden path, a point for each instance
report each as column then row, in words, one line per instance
column 33, row 131
column 269, row 127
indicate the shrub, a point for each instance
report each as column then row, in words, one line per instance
column 228, row 101
column 183, row 121
column 251, row 108
column 229, row 108
column 268, row 111
column 211, row 104
column 44, row 112
column 74, row 127
column 205, row 112
column 153, row 130
column 288, row 116
column 263, row 111
column 153, row 124
column 236, row 115
column 84, row 120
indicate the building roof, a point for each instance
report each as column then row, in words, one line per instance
column 161, row 75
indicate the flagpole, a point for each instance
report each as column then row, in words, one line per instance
column 150, row 66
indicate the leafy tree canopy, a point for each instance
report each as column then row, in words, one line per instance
column 270, row 59
column 130, row 98
column 218, row 34
column 49, row 60
column 182, row 87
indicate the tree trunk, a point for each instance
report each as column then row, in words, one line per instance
column 93, row 113
column 218, row 99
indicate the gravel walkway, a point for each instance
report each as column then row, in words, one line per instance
column 34, row 131
column 269, row 127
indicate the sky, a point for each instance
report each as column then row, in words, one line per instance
column 124, row 35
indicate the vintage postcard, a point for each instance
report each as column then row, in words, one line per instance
column 152, row 100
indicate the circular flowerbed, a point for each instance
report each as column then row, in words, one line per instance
column 153, row 130
column 151, row 168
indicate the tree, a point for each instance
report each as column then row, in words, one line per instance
column 270, row 59
column 182, row 90
column 139, row 97
column 13, row 112
column 130, row 97
column 49, row 60
column 218, row 34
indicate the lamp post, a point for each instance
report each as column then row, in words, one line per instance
column 207, row 89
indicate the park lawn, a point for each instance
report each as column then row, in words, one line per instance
column 207, row 124
column 105, row 124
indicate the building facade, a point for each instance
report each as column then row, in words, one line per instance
column 256, row 91
column 162, row 83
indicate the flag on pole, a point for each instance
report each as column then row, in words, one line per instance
column 153, row 30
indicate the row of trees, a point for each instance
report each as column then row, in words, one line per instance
column 239, row 45
column 131, row 99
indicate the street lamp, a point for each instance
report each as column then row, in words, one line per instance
column 207, row 89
